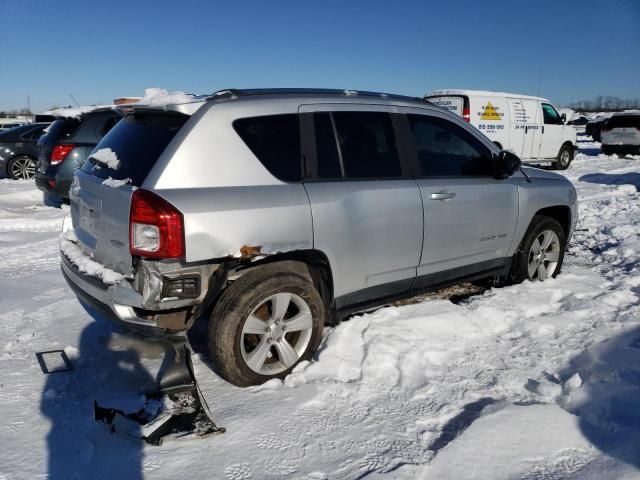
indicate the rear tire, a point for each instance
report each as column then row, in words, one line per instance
column 564, row 158
column 21, row 167
column 263, row 325
column 541, row 251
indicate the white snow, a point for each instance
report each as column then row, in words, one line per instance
column 156, row 97
column 69, row 246
column 74, row 112
column 350, row 93
column 532, row 381
column 107, row 157
column 115, row 183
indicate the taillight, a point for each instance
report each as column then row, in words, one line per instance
column 60, row 152
column 156, row 228
column 466, row 114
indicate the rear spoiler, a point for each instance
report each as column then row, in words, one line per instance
column 188, row 108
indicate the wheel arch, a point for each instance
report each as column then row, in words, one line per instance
column 560, row 213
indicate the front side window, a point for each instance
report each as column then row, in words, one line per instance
column 447, row 150
column 275, row 140
column 550, row 115
column 367, row 145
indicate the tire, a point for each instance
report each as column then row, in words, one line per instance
column 245, row 357
column 526, row 257
column 21, row 167
column 564, row 158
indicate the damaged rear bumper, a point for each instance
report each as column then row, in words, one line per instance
column 146, row 302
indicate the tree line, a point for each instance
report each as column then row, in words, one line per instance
column 607, row 103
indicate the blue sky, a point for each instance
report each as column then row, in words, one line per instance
column 99, row 50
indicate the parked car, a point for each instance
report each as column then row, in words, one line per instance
column 531, row 127
column 273, row 212
column 19, row 151
column 593, row 127
column 621, row 134
column 65, row 146
column 9, row 126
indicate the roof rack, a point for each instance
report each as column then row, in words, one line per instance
column 231, row 93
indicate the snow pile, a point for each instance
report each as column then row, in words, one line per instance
column 68, row 246
column 107, row 157
column 115, row 183
column 157, row 97
column 350, row 93
column 74, row 112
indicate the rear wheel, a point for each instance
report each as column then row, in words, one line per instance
column 21, row 167
column 541, row 252
column 565, row 156
column 263, row 325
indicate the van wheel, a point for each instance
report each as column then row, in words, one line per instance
column 263, row 325
column 541, row 252
column 565, row 156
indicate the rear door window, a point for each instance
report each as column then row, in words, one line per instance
column 137, row 142
column 447, row 150
column 367, row 145
column 275, row 141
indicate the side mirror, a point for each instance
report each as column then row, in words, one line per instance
column 506, row 164
column 564, row 118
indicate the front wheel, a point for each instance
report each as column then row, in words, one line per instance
column 263, row 325
column 541, row 252
column 21, row 167
column 565, row 156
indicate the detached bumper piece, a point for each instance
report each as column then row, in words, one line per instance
column 175, row 409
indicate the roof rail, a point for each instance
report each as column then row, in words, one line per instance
column 232, row 93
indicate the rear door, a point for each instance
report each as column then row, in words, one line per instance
column 366, row 208
column 469, row 216
column 101, row 191
column 533, row 128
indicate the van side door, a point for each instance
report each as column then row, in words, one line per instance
column 552, row 132
column 366, row 209
column 469, row 216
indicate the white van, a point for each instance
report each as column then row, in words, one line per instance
column 531, row 127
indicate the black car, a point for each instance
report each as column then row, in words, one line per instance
column 593, row 127
column 19, row 150
column 65, row 147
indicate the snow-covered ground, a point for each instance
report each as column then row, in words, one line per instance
column 534, row 381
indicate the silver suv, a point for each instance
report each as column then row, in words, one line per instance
column 275, row 212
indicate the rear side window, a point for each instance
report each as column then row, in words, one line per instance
column 367, row 145
column 275, row 140
column 447, row 150
column 624, row 121
column 137, row 141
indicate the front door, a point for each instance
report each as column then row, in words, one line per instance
column 552, row 133
column 469, row 216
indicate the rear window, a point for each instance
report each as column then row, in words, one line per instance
column 275, row 140
column 624, row 121
column 137, row 141
column 60, row 129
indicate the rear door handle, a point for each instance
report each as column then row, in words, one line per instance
column 442, row 195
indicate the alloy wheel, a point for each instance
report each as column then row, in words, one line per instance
column 544, row 255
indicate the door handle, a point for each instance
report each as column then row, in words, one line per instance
column 442, row 195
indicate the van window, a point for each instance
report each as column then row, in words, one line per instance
column 329, row 165
column 275, row 140
column 447, row 150
column 550, row 115
column 367, row 145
